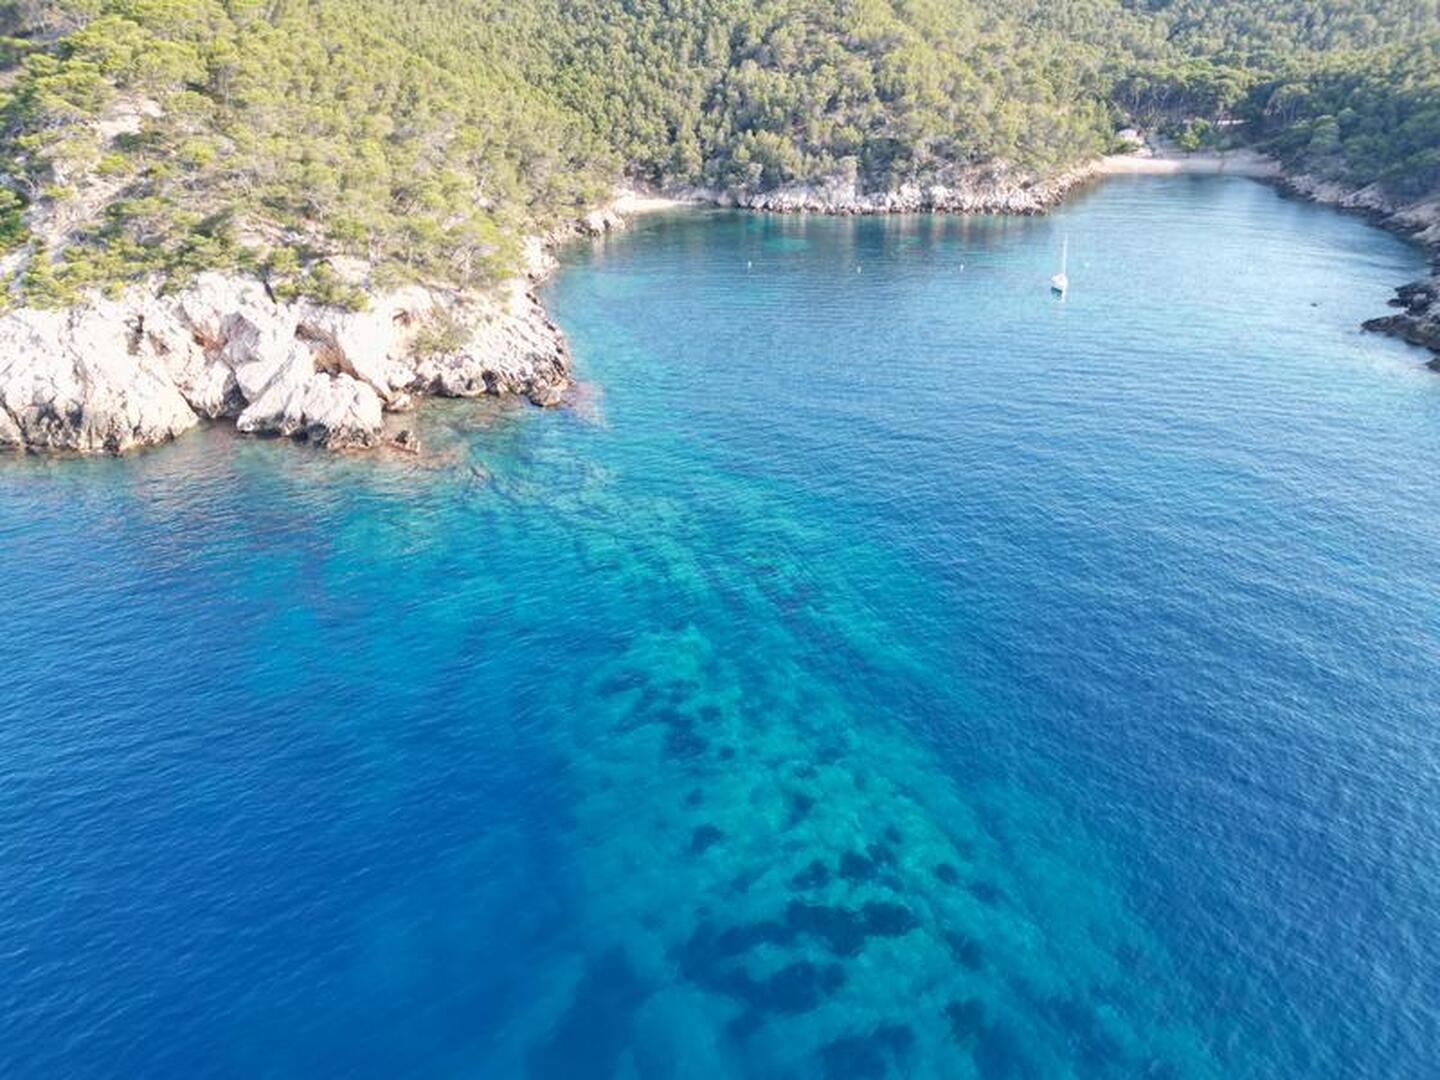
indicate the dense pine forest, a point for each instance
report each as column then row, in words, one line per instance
column 161, row 137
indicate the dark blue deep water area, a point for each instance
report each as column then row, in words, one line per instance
column 880, row 669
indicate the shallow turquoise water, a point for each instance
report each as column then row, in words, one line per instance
column 882, row 670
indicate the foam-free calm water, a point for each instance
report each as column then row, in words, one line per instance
column 883, row 670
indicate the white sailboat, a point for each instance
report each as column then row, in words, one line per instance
column 1060, row 283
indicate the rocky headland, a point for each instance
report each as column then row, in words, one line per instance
column 114, row 374
column 141, row 369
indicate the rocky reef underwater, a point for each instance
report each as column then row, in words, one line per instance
column 777, row 876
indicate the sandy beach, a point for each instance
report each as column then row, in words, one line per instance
column 1239, row 162
column 633, row 202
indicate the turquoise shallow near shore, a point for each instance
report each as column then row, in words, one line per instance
column 882, row 670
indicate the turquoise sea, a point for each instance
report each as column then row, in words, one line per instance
column 883, row 669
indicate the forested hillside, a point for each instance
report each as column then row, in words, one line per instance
column 745, row 95
column 1358, row 116
column 1276, row 31
column 145, row 137
column 180, row 134
column 1345, row 90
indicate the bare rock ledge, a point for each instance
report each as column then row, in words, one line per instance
column 142, row 369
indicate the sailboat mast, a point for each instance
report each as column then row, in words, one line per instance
column 1060, row 282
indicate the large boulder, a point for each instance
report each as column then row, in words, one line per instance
column 332, row 410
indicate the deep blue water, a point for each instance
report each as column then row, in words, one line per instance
column 883, row 669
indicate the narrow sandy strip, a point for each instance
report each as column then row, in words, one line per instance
column 1161, row 162
column 632, row 202
column 1234, row 162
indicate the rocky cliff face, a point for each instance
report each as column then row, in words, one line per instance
column 1418, row 320
column 140, row 370
column 992, row 189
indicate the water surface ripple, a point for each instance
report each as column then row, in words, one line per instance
column 882, row 670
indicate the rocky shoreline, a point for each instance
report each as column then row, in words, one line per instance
column 117, row 374
column 113, row 375
column 986, row 189
column 965, row 191
column 143, row 369
column 1418, row 321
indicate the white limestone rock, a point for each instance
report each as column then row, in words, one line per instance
column 370, row 345
column 514, row 349
column 83, row 380
column 140, row 370
column 331, row 410
column 994, row 188
column 10, row 434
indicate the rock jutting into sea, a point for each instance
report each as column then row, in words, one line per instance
column 114, row 374
column 1419, row 322
column 142, row 369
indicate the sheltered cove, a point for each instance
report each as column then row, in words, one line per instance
column 141, row 370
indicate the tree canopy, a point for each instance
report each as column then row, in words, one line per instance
column 161, row 137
